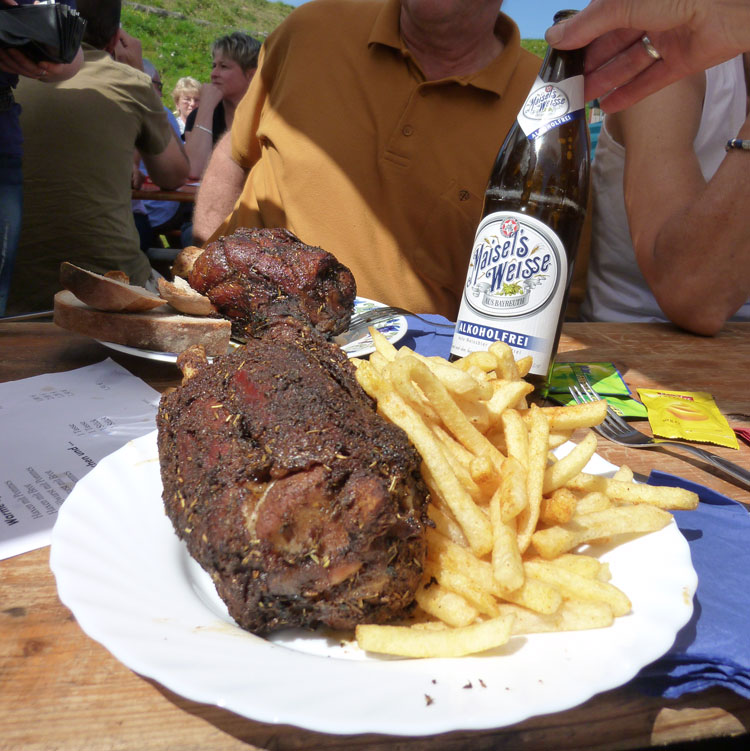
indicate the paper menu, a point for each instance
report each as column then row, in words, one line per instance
column 55, row 428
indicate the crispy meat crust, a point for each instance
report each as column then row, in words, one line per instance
column 254, row 275
column 304, row 505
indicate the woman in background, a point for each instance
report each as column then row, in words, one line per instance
column 186, row 95
column 235, row 60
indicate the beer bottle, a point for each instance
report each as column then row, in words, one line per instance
column 521, row 263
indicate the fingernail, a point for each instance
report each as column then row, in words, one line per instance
column 554, row 34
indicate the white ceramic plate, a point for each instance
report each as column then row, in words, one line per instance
column 393, row 329
column 133, row 587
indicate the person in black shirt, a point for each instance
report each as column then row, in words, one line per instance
column 235, row 60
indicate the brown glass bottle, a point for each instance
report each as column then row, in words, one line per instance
column 534, row 209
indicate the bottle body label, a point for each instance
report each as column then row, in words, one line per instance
column 514, row 289
column 549, row 105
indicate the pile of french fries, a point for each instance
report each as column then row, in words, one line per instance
column 504, row 555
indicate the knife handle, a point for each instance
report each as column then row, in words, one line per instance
column 718, row 462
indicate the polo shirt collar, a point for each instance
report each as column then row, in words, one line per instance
column 494, row 77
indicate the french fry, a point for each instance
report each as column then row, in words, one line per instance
column 475, row 411
column 506, row 364
column 408, row 642
column 485, row 361
column 575, row 586
column 506, row 513
column 633, row 492
column 446, row 525
column 558, row 437
column 379, row 363
column 457, row 558
column 528, row 518
column 569, row 466
column 623, row 474
column 573, row 615
column 448, row 606
column 484, row 474
column 507, row 394
column 475, row 524
column 524, row 365
column 585, row 415
column 516, row 436
column 382, row 345
column 536, row 595
column 583, row 565
column 554, row 541
column 399, row 375
column 507, row 566
column 458, row 382
column 513, row 490
column 453, row 580
column 558, row 507
column 451, row 415
column 462, row 472
column 593, row 501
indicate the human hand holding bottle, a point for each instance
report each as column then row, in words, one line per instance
column 687, row 37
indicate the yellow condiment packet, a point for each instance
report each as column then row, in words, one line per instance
column 688, row 415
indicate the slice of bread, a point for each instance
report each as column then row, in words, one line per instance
column 181, row 296
column 106, row 292
column 160, row 329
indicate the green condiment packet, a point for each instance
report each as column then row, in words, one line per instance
column 603, row 377
column 624, row 407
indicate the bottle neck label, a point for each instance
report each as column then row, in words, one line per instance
column 549, row 105
column 514, row 288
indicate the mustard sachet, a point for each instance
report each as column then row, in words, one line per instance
column 687, row 415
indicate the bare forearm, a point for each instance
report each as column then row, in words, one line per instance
column 220, row 188
column 198, row 146
column 699, row 268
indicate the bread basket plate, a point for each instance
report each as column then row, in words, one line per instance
column 132, row 586
column 393, row 329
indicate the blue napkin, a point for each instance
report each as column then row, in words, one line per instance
column 428, row 340
column 713, row 649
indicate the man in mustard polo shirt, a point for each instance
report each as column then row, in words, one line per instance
column 370, row 130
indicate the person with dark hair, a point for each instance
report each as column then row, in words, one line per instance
column 235, row 59
column 14, row 63
column 80, row 139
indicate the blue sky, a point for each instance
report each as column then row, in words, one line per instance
column 532, row 16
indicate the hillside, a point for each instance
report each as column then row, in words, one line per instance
column 177, row 34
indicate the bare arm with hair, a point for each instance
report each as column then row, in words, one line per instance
column 691, row 236
column 690, row 35
column 220, row 188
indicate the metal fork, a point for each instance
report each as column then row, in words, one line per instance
column 377, row 315
column 615, row 429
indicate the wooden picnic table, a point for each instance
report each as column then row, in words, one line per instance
column 60, row 689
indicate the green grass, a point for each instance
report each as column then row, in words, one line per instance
column 181, row 46
column 537, row 46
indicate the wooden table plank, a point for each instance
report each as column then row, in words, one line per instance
column 60, row 689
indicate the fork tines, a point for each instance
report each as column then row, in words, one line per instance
column 582, row 392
